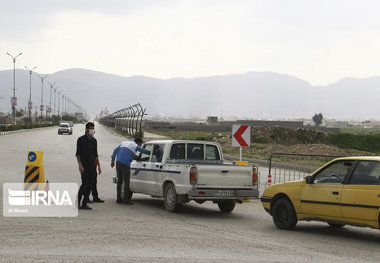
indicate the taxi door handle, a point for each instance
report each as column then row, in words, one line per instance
column 335, row 193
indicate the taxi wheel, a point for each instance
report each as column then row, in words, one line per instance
column 171, row 198
column 336, row 225
column 284, row 216
column 227, row 206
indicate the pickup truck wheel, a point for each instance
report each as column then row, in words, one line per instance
column 284, row 216
column 170, row 198
column 227, row 206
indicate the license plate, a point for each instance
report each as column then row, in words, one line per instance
column 225, row 193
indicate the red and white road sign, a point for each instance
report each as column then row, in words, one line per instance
column 241, row 135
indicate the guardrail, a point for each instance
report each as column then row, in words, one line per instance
column 284, row 167
column 6, row 132
column 127, row 120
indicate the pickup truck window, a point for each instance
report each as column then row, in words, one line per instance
column 195, row 151
column 158, row 152
column 145, row 157
column 177, row 151
column 212, row 152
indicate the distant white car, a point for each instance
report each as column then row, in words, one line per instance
column 65, row 128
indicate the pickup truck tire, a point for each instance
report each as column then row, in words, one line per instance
column 171, row 198
column 227, row 206
column 284, row 216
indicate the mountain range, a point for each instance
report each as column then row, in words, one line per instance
column 254, row 95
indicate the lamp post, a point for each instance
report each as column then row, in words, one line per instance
column 14, row 99
column 42, row 94
column 59, row 92
column 63, row 104
column 30, row 104
column 51, row 88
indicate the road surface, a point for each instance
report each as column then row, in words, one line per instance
column 146, row 232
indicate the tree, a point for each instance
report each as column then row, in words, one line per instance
column 20, row 113
column 317, row 118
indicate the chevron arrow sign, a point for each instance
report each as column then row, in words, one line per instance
column 241, row 135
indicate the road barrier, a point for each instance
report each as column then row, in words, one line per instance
column 34, row 171
column 284, row 167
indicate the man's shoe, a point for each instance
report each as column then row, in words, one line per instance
column 128, row 202
column 119, row 201
column 89, row 201
column 98, row 200
column 85, row 207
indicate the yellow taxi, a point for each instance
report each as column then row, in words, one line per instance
column 343, row 191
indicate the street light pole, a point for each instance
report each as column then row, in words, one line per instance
column 30, row 104
column 14, row 99
column 42, row 94
column 63, row 105
column 59, row 92
column 51, row 88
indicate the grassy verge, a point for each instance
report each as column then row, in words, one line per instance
column 22, row 127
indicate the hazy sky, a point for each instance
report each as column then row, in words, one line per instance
column 319, row 41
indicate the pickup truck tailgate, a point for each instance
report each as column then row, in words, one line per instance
column 224, row 176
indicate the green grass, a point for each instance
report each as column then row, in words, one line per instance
column 362, row 142
column 198, row 136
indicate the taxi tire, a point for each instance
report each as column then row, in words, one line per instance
column 284, row 216
column 227, row 206
column 336, row 225
column 171, row 198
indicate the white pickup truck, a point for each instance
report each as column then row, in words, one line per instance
column 184, row 170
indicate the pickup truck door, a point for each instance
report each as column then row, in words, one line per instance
column 138, row 172
column 154, row 174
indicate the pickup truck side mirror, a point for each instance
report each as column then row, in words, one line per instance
column 309, row 179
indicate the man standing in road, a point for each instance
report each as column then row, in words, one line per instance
column 87, row 157
column 125, row 153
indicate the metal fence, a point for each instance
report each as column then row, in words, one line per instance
column 127, row 120
column 284, row 167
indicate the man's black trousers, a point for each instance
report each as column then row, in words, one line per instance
column 88, row 180
column 123, row 175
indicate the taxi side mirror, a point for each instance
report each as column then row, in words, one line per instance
column 309, row 180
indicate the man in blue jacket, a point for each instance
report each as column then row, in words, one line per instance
column 125, row 153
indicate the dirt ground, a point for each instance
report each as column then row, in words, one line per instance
column 268, row 140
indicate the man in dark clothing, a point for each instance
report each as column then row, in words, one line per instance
column 124, row 154
column 87, row 157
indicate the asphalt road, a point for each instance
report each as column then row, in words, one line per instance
column 146, row 232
